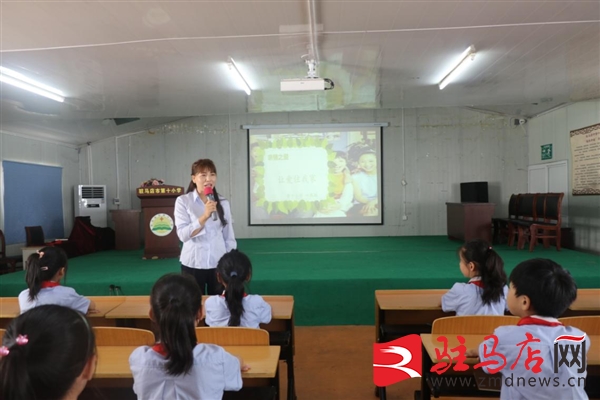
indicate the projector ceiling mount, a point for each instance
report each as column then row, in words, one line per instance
column 312, row 80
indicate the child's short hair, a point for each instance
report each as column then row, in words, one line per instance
column 550, row 288
column 44, row 351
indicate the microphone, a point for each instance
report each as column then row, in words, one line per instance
column 208, row 192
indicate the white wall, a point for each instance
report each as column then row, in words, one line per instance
column 34, row 151
column 434, row 149
column 554, row 128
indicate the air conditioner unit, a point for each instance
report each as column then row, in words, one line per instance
column 90, row 201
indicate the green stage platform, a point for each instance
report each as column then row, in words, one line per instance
column 332, row 279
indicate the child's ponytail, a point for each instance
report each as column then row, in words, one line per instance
column 490, row 268
column 178, row 336
column 234, row 295
column 234, row 269
column 493, row 277
column 42, row 266
column 176, row 301
column 14, row 379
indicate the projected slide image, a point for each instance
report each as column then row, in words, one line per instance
column 330, row 177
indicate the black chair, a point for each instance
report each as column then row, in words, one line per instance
column 501, row 224
column 9, row 262
column 34, row 236
column 549, row 227
column 526, row 215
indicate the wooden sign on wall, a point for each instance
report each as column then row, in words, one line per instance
column 585, row 152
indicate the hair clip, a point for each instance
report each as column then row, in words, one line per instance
column 44, row 268
column 22, row 340
column 232, row 274
column 489, row 248
column 41, row 253
column 4, row 351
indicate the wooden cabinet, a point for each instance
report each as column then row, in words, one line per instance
column 468, row 221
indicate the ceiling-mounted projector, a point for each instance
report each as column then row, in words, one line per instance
column 306, row 84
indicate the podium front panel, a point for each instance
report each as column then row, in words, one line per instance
column 158, row 204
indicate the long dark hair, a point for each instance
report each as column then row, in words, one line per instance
column 489, row 266
column 43, row 268
column 176, row 300
column 234, row 268
column 202, row 165
column 59, row 344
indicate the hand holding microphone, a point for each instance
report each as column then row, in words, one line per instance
column 208, row 192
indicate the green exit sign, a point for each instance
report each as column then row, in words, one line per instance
column 547, row 151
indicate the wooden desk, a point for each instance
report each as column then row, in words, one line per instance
column 9, row 309
column 587, row 303
column 112, row 369
column 138, row 307
column 407, row 307
column 133, row 312
column 113, row 361
column 430, row 344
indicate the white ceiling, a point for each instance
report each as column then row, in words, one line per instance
column 162, row 61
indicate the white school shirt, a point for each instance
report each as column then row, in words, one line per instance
column 256, row 311
column 59, row 295
column 510, row 336
column 465, row 299
column 214, row 371
column 204, row 250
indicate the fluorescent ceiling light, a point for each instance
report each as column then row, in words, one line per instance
column 239, row 77
column 21, row 81
column 465, row 60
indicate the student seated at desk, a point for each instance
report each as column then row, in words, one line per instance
column 49, row 352
column 485, row 293
column 540, row 291
column 176, row 367
column 234, row 307
column 45, row 270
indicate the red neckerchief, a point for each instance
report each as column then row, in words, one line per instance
column 537, row 321
column 47, row 284
column 476, row 281
column 160, row 349
column 223, row 294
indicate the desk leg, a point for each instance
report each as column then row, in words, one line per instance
column 426, row 367
column 291, row 395
column 276, row 383
column 379, row 319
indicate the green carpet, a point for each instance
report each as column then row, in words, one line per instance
column 332, row 279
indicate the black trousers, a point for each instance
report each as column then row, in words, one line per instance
column 206, row 278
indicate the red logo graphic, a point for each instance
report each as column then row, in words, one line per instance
column 570, row 338
column 397, row 360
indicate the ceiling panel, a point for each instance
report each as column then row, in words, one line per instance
column 167, row 60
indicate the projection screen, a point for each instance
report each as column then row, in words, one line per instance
column 315, row 175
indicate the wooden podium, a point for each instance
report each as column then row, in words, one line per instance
column 468, row 221
column 158, row 203
column 127, row 229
